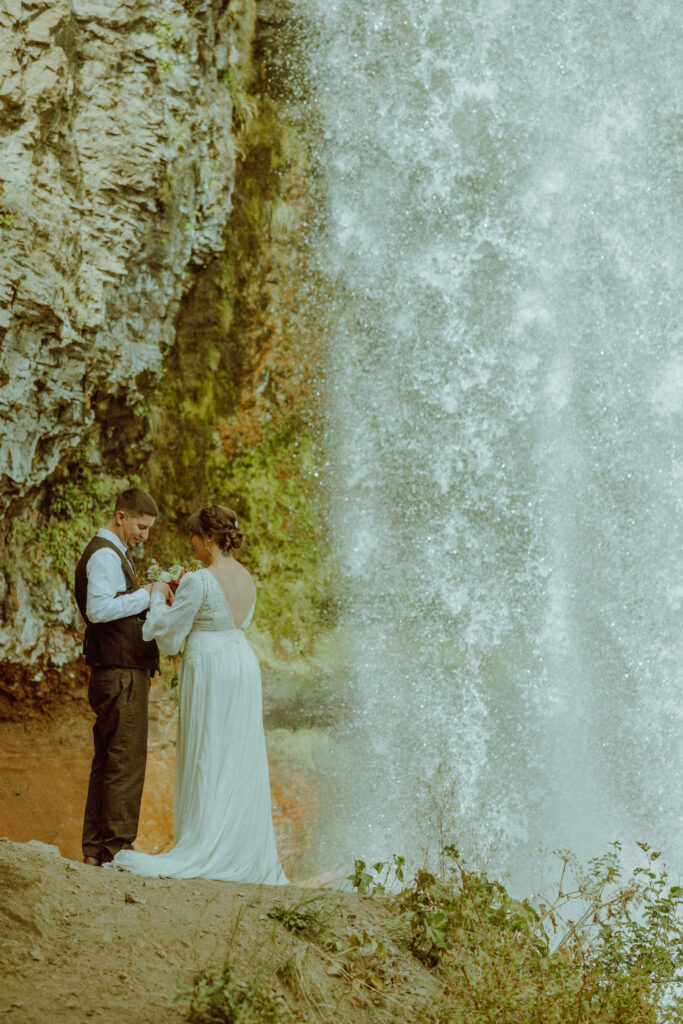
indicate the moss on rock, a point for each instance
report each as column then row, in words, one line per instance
column 234, row 417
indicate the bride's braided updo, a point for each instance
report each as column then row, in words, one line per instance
column 220, row 523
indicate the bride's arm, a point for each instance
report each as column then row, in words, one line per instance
column 170, row 626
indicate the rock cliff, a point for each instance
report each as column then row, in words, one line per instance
column 117, row 163
column 116, row 175
column 157, row 322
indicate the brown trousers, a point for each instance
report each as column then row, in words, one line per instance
column 119, row 697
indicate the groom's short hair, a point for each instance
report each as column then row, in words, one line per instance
column 136, row 502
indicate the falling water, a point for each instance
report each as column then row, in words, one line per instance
column 505, row 391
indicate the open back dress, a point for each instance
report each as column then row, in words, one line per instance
column 223, row 825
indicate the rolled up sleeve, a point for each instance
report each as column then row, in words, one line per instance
column 105, row 581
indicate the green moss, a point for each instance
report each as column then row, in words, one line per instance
column 233, row 420
column 276, row 487
column 166, row 188
column 273, row 488
column 76, row 505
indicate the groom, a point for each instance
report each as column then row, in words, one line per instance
column 113, row 606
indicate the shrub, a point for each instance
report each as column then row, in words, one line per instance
column 509, row 961
column 215, row 998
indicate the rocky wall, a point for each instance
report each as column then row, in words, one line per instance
column 117, row 167
column 116, row 175
column 176, row 179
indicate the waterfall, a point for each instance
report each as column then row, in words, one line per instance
column 499, row 246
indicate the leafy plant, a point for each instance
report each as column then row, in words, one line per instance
column 628, row 937
column 465, row 901
column 215, row 998
column 618, row 958
column 298, row 919
column 75, row 508
column 362, row 881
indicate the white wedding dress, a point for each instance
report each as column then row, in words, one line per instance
column 223, row 826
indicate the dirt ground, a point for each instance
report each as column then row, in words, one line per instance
column 81, row 944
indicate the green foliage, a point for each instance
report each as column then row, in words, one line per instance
column 276, row 483
column 215, row 998
column 300, row 918
column 362, row 881
column 170, row 34
column 629, row 938
column 505, row 960
column 76, row 507
column 465, row 901
column 167, row 187
column 602, row 951
column 233, row 418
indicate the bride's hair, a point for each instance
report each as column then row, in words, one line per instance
column 220, row 522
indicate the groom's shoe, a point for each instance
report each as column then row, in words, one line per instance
column 93, row 861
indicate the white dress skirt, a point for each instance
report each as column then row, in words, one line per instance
column 223, row 825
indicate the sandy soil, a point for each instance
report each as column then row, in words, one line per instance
column 80, row 944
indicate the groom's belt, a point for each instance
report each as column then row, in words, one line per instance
column 136, row 668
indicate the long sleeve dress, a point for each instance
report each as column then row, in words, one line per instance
column 223, row 825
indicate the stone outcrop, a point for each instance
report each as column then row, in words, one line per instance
column 116, row 175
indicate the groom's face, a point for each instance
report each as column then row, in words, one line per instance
column 135, row 528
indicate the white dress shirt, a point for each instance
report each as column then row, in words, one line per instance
column 106, row 579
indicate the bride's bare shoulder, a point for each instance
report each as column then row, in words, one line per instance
column 245, row 576
column 235, row 576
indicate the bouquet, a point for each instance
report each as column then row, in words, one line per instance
column 173, row 575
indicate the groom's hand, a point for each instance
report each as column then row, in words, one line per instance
column 162, row 588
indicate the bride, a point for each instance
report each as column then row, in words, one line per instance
column 222, row 812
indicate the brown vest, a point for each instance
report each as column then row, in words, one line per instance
column 118, row 642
